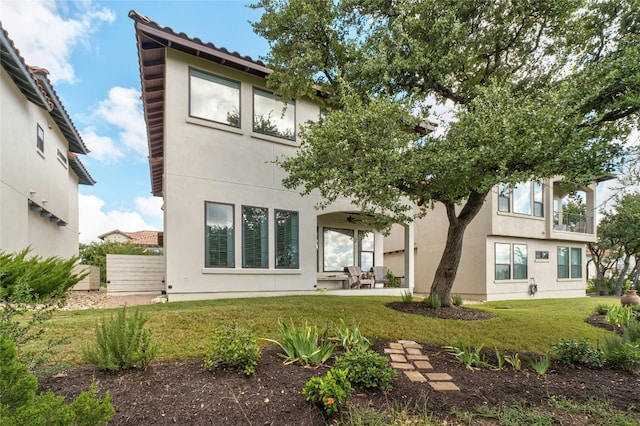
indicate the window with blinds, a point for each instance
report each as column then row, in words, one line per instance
column 255, row 236
column 219, row 228
column 287, row 244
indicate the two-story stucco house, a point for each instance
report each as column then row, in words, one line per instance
column 39, row 165
column 524, row 243
column 230, row 228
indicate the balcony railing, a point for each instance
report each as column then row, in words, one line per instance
column 568, row 222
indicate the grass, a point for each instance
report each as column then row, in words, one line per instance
column 182, row 330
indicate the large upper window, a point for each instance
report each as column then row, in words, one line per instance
column 255, row 236
column 338, row 249
column 569, row 262
column 511, row 261
column 524, row 198
column 40, row 139
column 214, row 98
column 272, row 117
column 286, row 232
column 366, row 248
column 219, row 225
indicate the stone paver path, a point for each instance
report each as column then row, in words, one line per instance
column 407, row 356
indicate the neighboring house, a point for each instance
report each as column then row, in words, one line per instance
column 39, row 165
column 230, row 228
column 524, row 243
column 151, row 239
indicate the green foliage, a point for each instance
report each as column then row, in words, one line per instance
column 469, row 356
column 407, row 296
column 350, row 338
column 31, row 289
column 328, row 392
column 393, row 280
column 514, row 360
column 500, row 357
column 367, row 369
column 457, row 300
column 573, row 352
column 624, row 350
column 121, row 343
column 96, row 254
column 602, row 308
column 620, row 315
column 516, row 415
column 20, row 405
column 433, row 301
column 540, row 365
column 233, row 346
column 304, row 345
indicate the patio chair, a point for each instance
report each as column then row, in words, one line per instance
column 355, row 278
column 380, row 276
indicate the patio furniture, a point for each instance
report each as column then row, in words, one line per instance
column 380, row 276
column 356, row 280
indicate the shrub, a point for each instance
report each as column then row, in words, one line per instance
column 233, row 346
column 350, row 337
column 624, row 350
column 573, row 352
column 393, row 280
column 433, row 301
column 367, row 369
column 121, row 343
column 329, row 391
column 304, row 345
column 602, row 308
column 457, row 300
column 19, row 404
column 620, row 315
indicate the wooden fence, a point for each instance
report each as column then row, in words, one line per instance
column 131, row 274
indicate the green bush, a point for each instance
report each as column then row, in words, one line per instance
column 304, row 345
column 350, row 338
column 20, row 405
column 31, row 289
column 573, row 352
column 367, row 369
column 121, row 343
column 233, row 346
column 620, row 315
column 602, row 308
column 457, row 300
column 624, row 351
column 393, row 280
column 433, row 301
column 328, row 392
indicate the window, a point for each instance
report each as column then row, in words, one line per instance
column 40, row 139
column 219, row 229
column 62, row 157
column 576, row 263
column 508, row 267
column 366, row 248
column 542, row 255
column 524, row 198
column 255, row 235
column 271, row 117
column 214, row 98
column 286, row 232
column 338, row 249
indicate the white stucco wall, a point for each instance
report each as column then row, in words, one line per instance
column 26, row 173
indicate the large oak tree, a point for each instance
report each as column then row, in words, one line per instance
column 539, row 88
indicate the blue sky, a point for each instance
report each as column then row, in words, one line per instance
column 89, row 49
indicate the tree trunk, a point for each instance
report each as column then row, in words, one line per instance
column 445, row 275
column 596, row 258
column 623, row 274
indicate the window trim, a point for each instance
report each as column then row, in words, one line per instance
column 360, row 250
column 40, row 139
column 275, row 239
column 266, row 247
column 233, row 242
column 215, row 78
column 512, row 264
column 353, row 246
column 290, row 103
column 505, row 192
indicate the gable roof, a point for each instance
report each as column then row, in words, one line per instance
column 152, row 41
column 143, row 238
column 36, row 87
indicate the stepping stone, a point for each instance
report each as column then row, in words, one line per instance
column 412, row 345
column 444, row 386
column 425, row 365
column 415, row 376
column 397, row 358
column 439, row 377
column 406, row 342
column 414, row 351
column 393, row 351
column 418, row 357
column 395, row 345
column 402, row 365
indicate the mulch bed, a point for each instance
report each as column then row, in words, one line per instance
column 183, row 392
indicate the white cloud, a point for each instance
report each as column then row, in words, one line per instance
column 94, row 221
column 46, row 38
column 123, row 109
column 103, row 148
column 149, row 206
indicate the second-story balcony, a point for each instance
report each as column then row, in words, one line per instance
column 572, row 222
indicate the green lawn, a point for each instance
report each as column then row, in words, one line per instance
column 182, row 329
